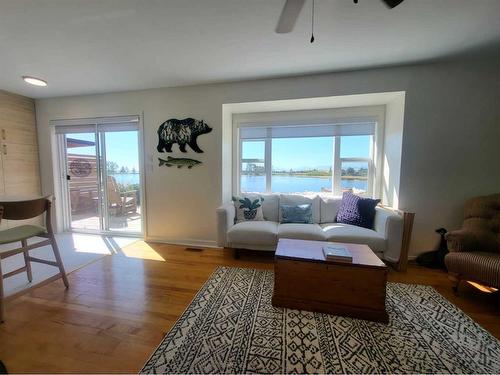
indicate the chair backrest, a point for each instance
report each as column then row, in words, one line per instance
column 482, row 215
column 113, row 191
column 25, row 209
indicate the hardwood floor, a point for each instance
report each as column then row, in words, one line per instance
column 118, row 308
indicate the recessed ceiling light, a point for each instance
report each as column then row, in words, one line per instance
column 34, row 81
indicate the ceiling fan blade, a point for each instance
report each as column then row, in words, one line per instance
column 289, row 15
column 392, row 3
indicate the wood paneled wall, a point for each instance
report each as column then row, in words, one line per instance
column 19, row 166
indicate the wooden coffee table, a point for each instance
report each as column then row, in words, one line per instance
column 304, row 280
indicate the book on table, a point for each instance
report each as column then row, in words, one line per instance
column 334, row 253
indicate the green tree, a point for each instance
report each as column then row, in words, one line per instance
column 112, row 167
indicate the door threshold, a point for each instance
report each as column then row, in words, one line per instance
column 139, row 236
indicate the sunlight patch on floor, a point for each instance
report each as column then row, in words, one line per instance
column 482, row 288
column 96, row 244
column 84, row 243
column 141, row 250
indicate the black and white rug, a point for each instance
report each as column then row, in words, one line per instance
column 231, row 327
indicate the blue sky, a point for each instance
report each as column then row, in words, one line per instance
column 121, row 147
column 303, row 153
column 288, row 153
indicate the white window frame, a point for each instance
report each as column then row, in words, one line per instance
column 375, row 114
column 95, row 125
column 337, row 168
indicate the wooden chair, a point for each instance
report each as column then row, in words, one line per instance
column 23, row 210
column 121, row 203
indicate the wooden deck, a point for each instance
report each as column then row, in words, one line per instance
column 128, row 223
column 118, row 308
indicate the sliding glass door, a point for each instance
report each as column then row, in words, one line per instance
column 101, row 176
column 82, row 181
column 122, row 180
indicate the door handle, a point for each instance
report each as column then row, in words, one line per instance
column 68, row 177
column 5, row 149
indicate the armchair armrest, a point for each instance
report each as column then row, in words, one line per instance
column 225, row 220
column 390, row 225
column 466, row 240
column 127, row 193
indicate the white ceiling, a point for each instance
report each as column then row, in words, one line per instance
column 92, row 46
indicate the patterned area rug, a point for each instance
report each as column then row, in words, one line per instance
column 231, row 327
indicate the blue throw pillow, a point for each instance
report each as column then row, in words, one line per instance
column 357, row 211
column 301, row 213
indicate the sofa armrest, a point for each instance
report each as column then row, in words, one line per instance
column 225, row 220
column 390, row 225
column 466, row 240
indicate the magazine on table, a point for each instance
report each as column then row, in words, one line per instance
column 336, row 253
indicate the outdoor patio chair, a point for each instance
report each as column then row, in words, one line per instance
column 120, row 203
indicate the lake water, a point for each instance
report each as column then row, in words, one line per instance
column 127, row 178
column 296, row 184
column 282, row 184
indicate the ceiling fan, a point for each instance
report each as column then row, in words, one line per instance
column 292, row 8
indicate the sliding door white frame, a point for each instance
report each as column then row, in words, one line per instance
column 99, row 127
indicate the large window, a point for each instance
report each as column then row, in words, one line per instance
column 307, row 159
column 301, row 164
column 253, row 170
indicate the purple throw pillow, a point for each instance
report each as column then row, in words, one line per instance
column 357, row 211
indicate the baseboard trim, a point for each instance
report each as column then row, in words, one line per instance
column 190, row 242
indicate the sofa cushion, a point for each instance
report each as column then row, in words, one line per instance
column 329, row 208
column 338, row 232
column 270, row 205
column 301, row 232
column 294, row 200
column 248, row 209
column 301, row 213
column 356, row 210
column 254, row 233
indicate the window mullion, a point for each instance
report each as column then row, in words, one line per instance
column 337, row 167
column 371, row 178
column 240, row 166
column 355, row 159
column 268, row 161
column 264, row 158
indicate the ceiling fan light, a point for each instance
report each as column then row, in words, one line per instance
column 35, row 81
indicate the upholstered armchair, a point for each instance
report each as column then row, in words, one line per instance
column 475, row 249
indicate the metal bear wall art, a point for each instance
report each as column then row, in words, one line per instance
column 184, row 132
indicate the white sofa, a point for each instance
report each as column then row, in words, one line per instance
column 385, row 239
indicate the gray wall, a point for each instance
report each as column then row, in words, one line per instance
column 450, row 140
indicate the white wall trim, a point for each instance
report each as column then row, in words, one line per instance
column 60, row 214
column 188, row 242
column 95, row 120
column 348, row 115
column 394, row 101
